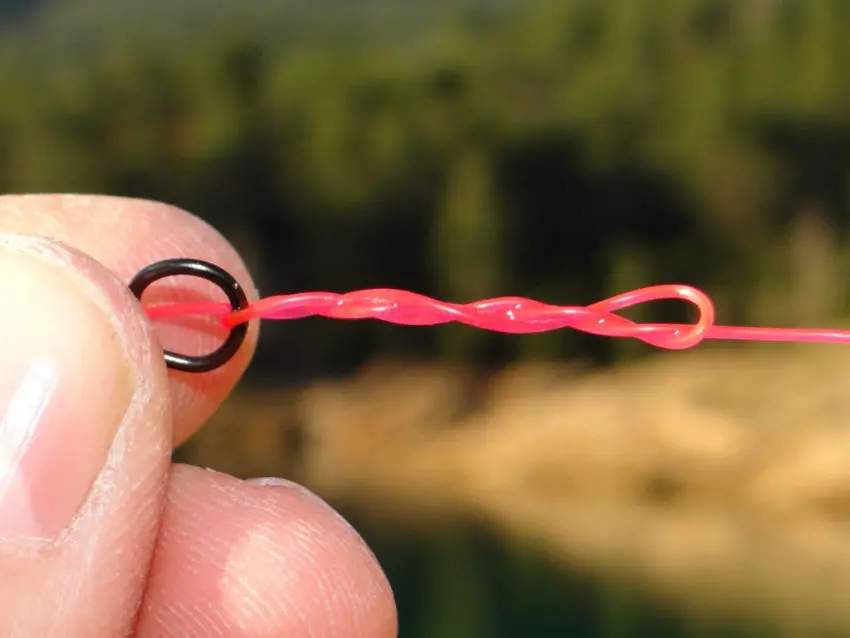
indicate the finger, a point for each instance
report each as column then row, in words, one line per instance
column 126, row 235
column 247, row 559
column 84, row 444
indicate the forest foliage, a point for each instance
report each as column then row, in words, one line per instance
column 564, row 151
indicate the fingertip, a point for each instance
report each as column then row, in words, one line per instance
column 85, row 421
column 261, row 558
column 125, row 235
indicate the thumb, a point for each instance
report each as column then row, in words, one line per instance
column 84, row 444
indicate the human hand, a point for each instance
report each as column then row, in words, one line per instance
column 100, row 535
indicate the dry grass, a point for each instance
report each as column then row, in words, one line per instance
column 765, row 430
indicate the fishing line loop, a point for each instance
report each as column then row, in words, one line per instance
column 512, row 315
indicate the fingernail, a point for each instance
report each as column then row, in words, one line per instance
column 65, row 384
column 270, row 481
column 273, row 481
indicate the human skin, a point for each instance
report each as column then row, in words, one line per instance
column 100, row 534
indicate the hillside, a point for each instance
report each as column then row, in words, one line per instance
column 62, row 28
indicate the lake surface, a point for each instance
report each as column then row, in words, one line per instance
column 463, row 581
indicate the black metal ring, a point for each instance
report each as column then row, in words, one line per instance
column 212, row 273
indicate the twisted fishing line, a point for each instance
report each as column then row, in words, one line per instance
column 513, row 315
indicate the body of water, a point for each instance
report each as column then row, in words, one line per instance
column 464, row 581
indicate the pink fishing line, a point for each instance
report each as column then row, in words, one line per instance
column 514, row 315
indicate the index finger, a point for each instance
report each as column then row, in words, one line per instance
column 125, row 235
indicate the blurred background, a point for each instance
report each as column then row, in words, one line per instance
column 544, row 485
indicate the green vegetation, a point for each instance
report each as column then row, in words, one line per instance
column 567, row 151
